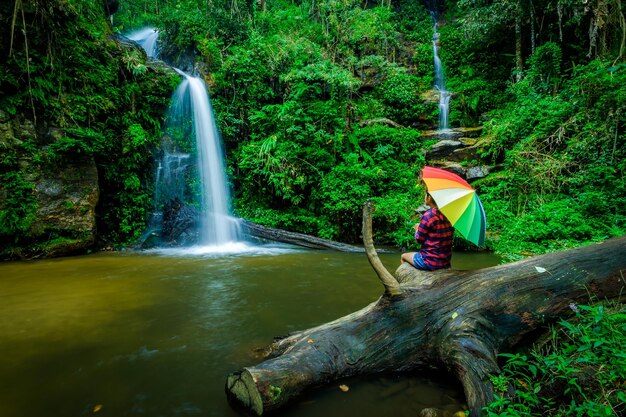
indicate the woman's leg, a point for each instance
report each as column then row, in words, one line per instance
column 415, row 259
column 408, row 257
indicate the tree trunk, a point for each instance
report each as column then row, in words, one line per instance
column 519, row 60
column 293, row 238
column 459, row 320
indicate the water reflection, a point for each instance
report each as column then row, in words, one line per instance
column 132, row 334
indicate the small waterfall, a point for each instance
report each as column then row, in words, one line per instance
column 179, row 181
column 147, row 39
column 444, row 95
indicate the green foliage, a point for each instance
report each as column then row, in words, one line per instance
column 377, row 168
column 399, row 93
column 78, row 140
column 101, row 101
column 18, row 211
column 321, row 106
column 544, row 72
column 580, row 370
column 561, row 156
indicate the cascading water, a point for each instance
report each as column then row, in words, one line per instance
column 147, row 39
column 444, row 95
column 217, row 225
column 190, row 119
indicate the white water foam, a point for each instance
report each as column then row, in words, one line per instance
column 230, row 248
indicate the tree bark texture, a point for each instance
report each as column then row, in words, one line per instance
column 459, row 320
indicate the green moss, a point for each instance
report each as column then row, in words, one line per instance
column 275, row 392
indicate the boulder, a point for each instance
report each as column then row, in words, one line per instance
column 453, row 134
column 66, row 199
column 454, row 167
column 476, row 172
column 443, row 148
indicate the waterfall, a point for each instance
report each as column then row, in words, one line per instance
column 147, row 39
column 217, row 226
column 444, row 95
column 180, row 181
column 170, row 176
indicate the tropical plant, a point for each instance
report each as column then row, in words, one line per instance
column 579, row 369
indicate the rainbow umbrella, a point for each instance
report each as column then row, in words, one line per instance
column 458, row 201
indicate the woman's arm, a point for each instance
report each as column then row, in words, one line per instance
column 421, row 229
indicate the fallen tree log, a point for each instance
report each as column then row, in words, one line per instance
column 299, row 239
column 459, row 320
column 178, row 226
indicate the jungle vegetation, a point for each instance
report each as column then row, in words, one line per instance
column 321, row 106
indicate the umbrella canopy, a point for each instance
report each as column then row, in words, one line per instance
column 458, row 201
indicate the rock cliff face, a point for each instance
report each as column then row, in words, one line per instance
column 52, row 182
column 66, row 200
column 61, row 194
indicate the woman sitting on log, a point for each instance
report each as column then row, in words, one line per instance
column 435, row 233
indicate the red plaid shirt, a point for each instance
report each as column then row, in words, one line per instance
column 435, row 234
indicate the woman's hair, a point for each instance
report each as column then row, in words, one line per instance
column 429, row 196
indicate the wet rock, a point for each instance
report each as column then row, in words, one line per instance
column 469, row 141
column 179, row 223
column 443, row 148
column 66, row 200
column 453, row 134
column 470, row 151
column 469, row 173
column 454, row 167
column 462, row 154
column 477, row 172
column 125, row 45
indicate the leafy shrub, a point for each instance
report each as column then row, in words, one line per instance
column 579, row 371
column 544, row 71
column 18, row 212
column 399, row 92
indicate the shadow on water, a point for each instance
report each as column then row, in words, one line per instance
column 156, row 333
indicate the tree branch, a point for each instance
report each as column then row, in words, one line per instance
column 391, row 284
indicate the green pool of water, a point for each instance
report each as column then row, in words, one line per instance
column 156, row 334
